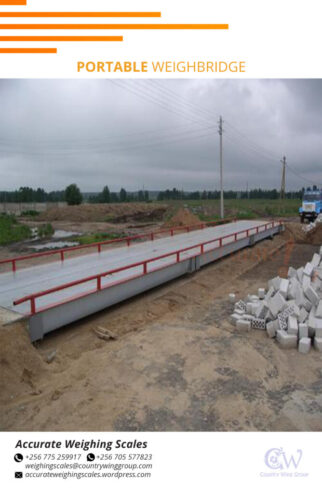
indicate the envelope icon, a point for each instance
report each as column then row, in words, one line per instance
column 18, row 475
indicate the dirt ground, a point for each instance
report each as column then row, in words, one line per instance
column 177, row 363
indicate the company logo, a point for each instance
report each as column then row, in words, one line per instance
column 277, row 459
column 281, row 463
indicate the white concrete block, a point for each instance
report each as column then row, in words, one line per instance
column 249, row 307
column 291, row 272
column 303, row 331
column 318, row 332
column 261, row 293
column 232, row 297
column 269, row 293
column 292, row 327
column 300, row 273
column 276, row 304
column 304, row 345
column 258, row 323
column 286, row 340
column 306, row 282
column 307, row 305
column 234, row 317
column 272, row 327
column 283, row 289
column 312, row 295
column 315, row 260
column 244, row 325
column 308, row 269
column 238, row 311
column 318, row 343
column 294, row 289
column 303, row 315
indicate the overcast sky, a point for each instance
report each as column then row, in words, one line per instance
column 158, row 133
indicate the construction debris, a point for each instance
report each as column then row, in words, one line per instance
column 310, row 226
column 104, row 334
column 290, row 310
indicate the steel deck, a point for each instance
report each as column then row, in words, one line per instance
column 141, row 269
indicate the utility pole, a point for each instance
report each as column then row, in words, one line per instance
column 221, row 169
column 282, row 194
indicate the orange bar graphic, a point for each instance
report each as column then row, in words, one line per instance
column 80, row 14
column 28, row 50
column 113, row 26
column 13, row 2
column 61, row 38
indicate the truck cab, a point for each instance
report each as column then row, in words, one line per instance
column 311, row 205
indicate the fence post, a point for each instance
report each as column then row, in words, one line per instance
column 178, row 256
column 32, row 306
column 14, row 266
column 99, row 283
column 145, row 268
column 99, row 248
column 128, row 241
column 62, row 256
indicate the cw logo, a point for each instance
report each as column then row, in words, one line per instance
column 276, row 458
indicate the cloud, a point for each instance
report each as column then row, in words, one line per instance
column 158, row 133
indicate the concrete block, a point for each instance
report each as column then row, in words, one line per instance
column 240, row 305
column 272, row 327
column 303, row 315
column 306, row 282
column 249, row 307
column 254, row 298
column 308, row 269
column 232, row 297
column 318, row 343
column 303, row 331
column 312, row 295
column 286, row 340
column 318, row 332
column 282, row 322
column 291, row 272
column 283, row 289
column 276, row 304
column 304, row 345
column 269, row 293
column 315, row 260
column 294, row 289
column 244, row 325
column 261, row 293
column 292, row 327
column 320, row 251
column 239, row 312
column 258, row 323
column 300, row 273
column 261, row 310
column 307, row 305
column 234, row 317
column 311, row 322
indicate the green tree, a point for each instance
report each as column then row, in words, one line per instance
column 123, row 195
column 105, row 197
column 73, row 195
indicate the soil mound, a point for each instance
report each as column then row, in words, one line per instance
column 20, row 363
column 183, row 217
column 312, row 237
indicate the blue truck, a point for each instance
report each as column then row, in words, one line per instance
column 311, row 205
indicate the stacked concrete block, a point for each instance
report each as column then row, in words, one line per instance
column 290, row 309
column 304, row 345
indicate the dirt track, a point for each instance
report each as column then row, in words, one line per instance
column 177, row 364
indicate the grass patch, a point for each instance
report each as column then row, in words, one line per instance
column 45, row 230
column 97, row 237
column 30, row 213
column 11, row 231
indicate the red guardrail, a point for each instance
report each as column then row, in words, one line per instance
column 144, row 263
column 98, row 245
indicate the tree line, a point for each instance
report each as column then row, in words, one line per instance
column 73, row 196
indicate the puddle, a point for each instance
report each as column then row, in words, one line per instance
column 60, row 233
column 53, row 245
